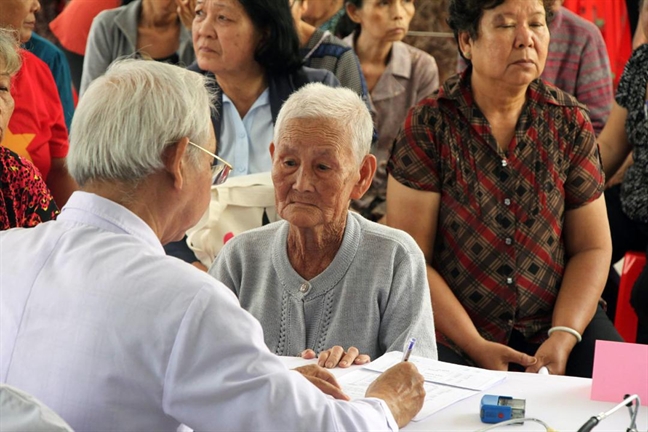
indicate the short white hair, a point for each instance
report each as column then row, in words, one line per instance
column 127, row 117
column 343, row 106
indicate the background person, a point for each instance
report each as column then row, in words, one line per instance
column 60, row 69
column 508, row 171
column 398, row 76
column 150, row 28
column 249, row 50
column 25, row 200
column 307, row 278
column 625, row 133
column 105, row 329
column 320, row 49
column 36, row 130
column 71, row 28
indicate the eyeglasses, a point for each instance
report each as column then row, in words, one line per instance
column 219, row 172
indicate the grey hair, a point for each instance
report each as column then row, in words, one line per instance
column 129, row 116
column 343, row 106
column 9, row 57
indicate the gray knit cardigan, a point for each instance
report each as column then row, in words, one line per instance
column 374, row 295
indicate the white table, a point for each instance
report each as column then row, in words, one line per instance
column 561, row 402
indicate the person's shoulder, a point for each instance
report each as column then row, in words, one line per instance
column 639, row 58
column 575, row 24
column 309, row 75
column 387, row 236
column 33, row 66
column 17, row 167
column 44, row 49
column 106, row 18
column 545, row 92
column 252, row 242
column 418, row 55
column 332, row 40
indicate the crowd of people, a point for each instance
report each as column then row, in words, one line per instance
column 472, row 214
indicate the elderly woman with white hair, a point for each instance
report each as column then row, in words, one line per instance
column 104, row 328
column 325, row 281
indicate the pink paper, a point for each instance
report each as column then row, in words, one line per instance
column 619, row 369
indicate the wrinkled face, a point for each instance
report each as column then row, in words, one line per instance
column 224, row 37
column 383, row 20
column 315, row 173
column 511, row 46
column 6, row 100
column 19, row 15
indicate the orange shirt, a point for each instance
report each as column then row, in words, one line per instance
column 72, row 25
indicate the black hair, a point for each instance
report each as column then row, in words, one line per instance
column 278, row 51
column 345, row 25
column 465, row 15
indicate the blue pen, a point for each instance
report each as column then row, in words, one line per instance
column 408, row 349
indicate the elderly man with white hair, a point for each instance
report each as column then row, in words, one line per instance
column 325, row 281
column 112, row 334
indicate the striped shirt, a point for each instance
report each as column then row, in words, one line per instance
column 578, row 63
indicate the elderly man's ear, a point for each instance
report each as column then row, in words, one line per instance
column 173, row 159
column 367, row 171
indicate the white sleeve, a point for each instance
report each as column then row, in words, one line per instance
column 222, row 376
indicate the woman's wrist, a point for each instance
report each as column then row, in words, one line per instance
column 567, row 330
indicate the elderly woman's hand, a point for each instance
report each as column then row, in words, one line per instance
column 323, row 380
column 186, row 12
column 336, row 356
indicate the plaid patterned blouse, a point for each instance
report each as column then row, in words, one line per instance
column 499, row 243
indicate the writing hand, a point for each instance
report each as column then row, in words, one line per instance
column 401, row 387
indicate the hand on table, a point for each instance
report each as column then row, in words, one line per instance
column 336, row 356
column 323, row 380
column 401, row 387
column 496, row 356
column 554, row 353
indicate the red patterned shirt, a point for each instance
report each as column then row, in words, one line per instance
column 25, row 200
column 499, row 244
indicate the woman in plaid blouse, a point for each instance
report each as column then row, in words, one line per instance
column 498, row 178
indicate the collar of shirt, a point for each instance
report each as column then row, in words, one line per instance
column 399, row 66
column 459, row 90
column 90, row 209
column 398, row 71
column 245, row 142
